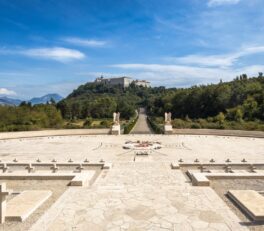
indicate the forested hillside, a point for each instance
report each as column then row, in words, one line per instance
column 224, row 105
column 238, row 104
column 100, row 101
column 242, row 98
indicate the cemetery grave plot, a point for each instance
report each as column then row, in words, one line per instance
column 35, row 187
column 222, row 186
column 227, row 177
column 57, row 188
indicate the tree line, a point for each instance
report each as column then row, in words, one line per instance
column 240, row 99
column 238, row 104
column 27, row 117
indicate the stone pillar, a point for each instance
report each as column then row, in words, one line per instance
column 168, row 127
column 116, row 130
column 3, row 194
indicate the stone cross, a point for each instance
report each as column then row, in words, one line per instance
column 30, row 168
column 5, row 168
column 54, row 168
column 3, row 194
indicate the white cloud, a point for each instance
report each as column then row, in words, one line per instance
column 56, row 53
column 225, row 60
column 4, row 91
column 85, row 42
column 184, row 76
column 222, row 2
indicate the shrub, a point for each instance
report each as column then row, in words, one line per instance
column 128, row 127
column 155, row 127
column 88, row 122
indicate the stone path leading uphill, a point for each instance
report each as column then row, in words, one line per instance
column 142, row 126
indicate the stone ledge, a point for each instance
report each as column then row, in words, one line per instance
column 222, row 163
column 199, row 179
column 250, row 202
column 107, row 166
column 175, row 165
column 203, row 179
column 82, row 179
column 22, row 206
column 76, row 179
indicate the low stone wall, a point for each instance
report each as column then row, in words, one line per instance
column 62, row 132
column 216, row 132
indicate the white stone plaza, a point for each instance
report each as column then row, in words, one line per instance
column 118, row 188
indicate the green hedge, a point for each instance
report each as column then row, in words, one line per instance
column 130, row 125
column 158, row 129
column 211, row 123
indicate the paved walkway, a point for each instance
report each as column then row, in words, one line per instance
column 142, row 126
column 140, row 196
column 141, row 193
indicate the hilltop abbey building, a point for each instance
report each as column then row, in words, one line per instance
column 123, row 81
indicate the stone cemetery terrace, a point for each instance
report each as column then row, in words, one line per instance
column 79, row 181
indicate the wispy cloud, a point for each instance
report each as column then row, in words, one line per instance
column 54, row 53
column 4, row 91
column 85, row 42
column 225, row 60
column 222, row 2
column 184, row 75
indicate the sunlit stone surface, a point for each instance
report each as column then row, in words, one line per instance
column 136, row 192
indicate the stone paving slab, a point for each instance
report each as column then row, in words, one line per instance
column 22, row 206
column 140, row 196
column 109, row 148
column 250, row 201
column 136, row 195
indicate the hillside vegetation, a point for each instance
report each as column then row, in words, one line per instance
column 27, row 117
column 238, row 104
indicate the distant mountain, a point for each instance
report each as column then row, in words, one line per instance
column 37, row 100
column 46, row 98
column 8, row 101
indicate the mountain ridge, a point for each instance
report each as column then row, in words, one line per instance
column 4, row 100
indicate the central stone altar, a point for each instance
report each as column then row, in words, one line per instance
column 142, row 145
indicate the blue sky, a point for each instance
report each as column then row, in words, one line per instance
column 54, row 46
